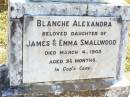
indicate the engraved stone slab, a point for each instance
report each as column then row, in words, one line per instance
column 19, row 9
column 110, row 85
column 59, row 48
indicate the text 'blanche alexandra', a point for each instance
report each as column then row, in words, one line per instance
column 75, row 23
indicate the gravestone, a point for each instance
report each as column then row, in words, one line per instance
column 68, row 48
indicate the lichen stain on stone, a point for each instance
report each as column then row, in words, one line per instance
column 26, row 23
column 17, row 10
column 13, row 25
column 119, row 20
column 12, row 8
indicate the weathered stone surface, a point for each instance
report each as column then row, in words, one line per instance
column 19, row 9
column 115, row 2
column 108, row 92
column 82, row 88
